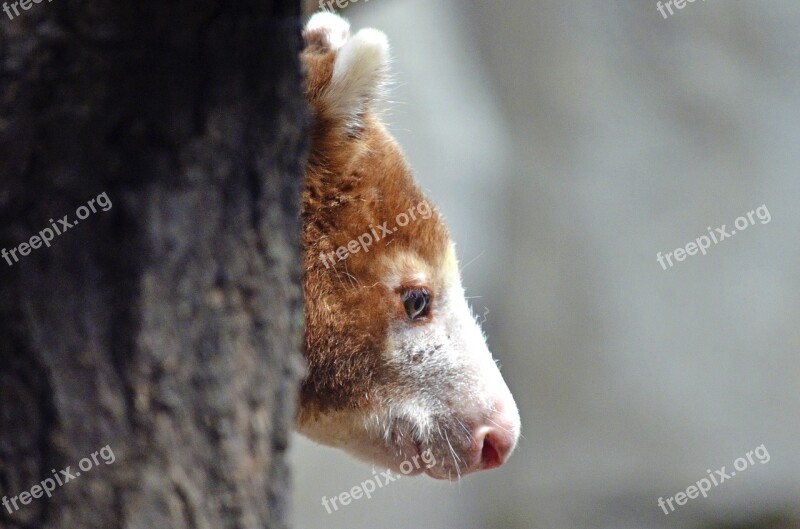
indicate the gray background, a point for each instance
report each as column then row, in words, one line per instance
column 567, row 143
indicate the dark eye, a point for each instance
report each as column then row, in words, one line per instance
column 417, row 302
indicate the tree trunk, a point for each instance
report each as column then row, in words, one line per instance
column 158, row 337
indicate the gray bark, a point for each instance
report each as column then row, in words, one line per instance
column 167, row 328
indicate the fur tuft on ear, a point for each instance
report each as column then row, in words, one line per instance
column 356, row 68
column 359, row 74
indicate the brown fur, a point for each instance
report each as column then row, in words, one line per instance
column 354, row 178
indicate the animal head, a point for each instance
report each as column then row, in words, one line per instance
column 398, row 366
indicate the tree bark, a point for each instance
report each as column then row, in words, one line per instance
column 168, row 327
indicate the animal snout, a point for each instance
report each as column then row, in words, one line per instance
column 496, row 436
column 493, row 445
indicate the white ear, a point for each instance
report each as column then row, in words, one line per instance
column 359, row 75
column 360, row 66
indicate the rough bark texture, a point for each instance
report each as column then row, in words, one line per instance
column 167, row 327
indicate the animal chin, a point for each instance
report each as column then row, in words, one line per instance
column 406, row 459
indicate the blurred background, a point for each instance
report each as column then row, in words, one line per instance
column 567, row 143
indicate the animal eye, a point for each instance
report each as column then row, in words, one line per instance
column 417, row 302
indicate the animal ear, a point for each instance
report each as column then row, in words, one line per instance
column 359, row 69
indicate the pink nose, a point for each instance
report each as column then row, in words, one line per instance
column 495, row 444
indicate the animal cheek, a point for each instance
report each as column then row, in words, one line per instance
column 425, row 353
